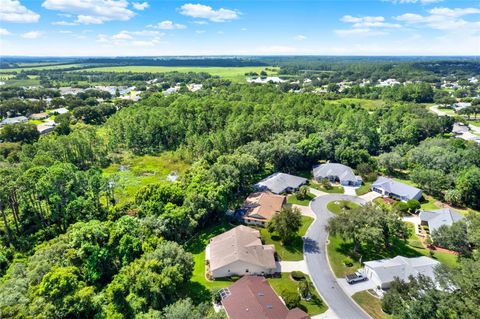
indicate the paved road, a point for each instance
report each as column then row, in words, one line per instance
column 315, row 256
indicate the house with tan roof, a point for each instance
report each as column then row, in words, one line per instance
column 239, row 251
column 252, row 297
column 259, row 208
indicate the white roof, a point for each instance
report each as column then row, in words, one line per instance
column 402, row 268
column 343, row 172
column 397, row 188
column 439, row 217
column 279, row 182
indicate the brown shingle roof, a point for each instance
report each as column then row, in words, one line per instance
column 240, row 243
column 252, row 297
column 263, row 205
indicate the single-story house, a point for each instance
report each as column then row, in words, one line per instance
column 278, row 183
column 14, row 120
column 259, row 208
column 61, row 110
column 439, row 217
column 398, row 190
column 45, row 128
column 252, row 297
column 383, row 272
column 38, row 116
column 239, row 251
column 337, row 173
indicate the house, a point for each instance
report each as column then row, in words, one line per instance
column 45, row 128
column 252, row 297
column 61, row 110
column 239, row 251
column 278, row 183
column 439, row 217
column 38, row 116
column 384, row 271
column 398, row 190
column 259, row 208
column 460, row 105
column 337, row 173
column 14, row 120
column 194, row 87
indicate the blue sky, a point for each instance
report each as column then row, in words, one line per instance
column 241, row 27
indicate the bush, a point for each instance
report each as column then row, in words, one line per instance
column 413, row 205
column 326, row 183
column 292, row 299
column 297, row 275
column 401, row 206
column 216, row 298
column 348, row 262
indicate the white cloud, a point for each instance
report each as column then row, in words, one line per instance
column 200, row 22
column 200, row 31
column 92, row 11
column 31, row 35
column 443, row 19
column 65, row 31
column 140, row 6
column 206, row 12
column 4, row 31
column 167, row 25
column 366, row 25
column 14, row 11
column 300, row 37
column 132, row 38
column 64, row 23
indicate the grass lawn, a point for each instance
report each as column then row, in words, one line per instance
column 17, row 83
column 334, row 190
column 371, row 304
column 141, row 171
column 428, row 203
column 235, row 74
column 283, row 284
column 339, row 250
column 369, row 105
column 292, row 199
column 292, row 251
column 337, row 206
column 365, row 188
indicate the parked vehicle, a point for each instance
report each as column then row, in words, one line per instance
column 356, row 277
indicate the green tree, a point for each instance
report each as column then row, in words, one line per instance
column 286, row 223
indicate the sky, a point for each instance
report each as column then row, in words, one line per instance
column 239, row 27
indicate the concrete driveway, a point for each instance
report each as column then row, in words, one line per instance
column 359, row 286
column 350, row 190
column 305, row 210
column 314, row 249
column 370, row 196
column 289, row 266
column 316, row 192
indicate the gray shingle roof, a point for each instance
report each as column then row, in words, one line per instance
column 14, row 120
column 439, row 217
column 395, row 187
column 279, row 182
column 343, row 172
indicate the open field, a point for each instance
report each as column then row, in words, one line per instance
column 134, row 172
column 236, row 74
column 371, row 304
column 285, row 284
column 47, row 67
column 292, row 251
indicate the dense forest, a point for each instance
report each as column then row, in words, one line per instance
column 70, row 249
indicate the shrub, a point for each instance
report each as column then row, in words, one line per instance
column 297, row 275
column 348, row 262
column 326, row 183
column 304, row 289
column 401, row 206
column 216, row 298
column 292, row 299
column 413, row 205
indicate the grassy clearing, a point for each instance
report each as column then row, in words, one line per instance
column 365, row 188
column 48, row 67
column 285, row 284
column 428, row 203
column 292, row 199
column 334, row 190
column 340, row 250
column 236, row 74
column 141, row 171
column 292, row 251
column 337, row 206
column 369, row 105
column 371, row 304
column 18, row 83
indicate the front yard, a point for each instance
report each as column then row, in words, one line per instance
column 292, row 199
column 334, row 189
column 292, row 251
column 285, row 284
column 362, row 190
column 371, row 304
